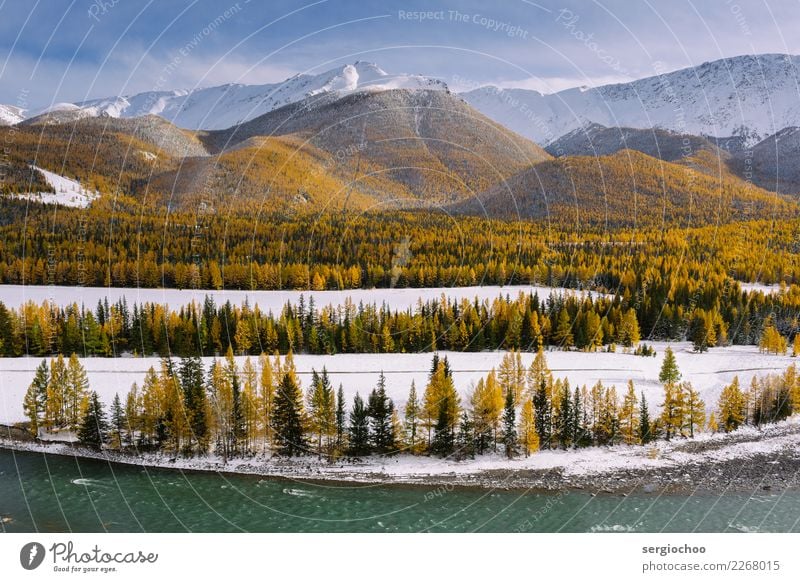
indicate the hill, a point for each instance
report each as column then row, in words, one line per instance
column 627, row 188
column 431, row 143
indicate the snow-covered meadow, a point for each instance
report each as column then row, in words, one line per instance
column 68, row 192
column 708, row 372
column 17, row 295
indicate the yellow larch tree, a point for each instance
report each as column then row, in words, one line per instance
column 528, row 437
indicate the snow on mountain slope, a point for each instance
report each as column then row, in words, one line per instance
column 67, row 192
column 228, row 105
column 10, row 115
column 747, row 96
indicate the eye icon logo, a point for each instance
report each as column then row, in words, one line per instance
column 31, row 555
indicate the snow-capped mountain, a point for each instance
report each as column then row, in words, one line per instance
column 10, row 115
column 747, row 96
column 228, row 105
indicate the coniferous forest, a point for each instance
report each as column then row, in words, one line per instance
column 526, row 322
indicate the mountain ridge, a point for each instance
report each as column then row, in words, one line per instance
column 750, row 96
column 746, row 97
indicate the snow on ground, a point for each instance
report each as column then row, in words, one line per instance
column 67, row 192
column 17, row 295
column 593, row 462
column 708, row 372
column 11, row 115
column 765, row 289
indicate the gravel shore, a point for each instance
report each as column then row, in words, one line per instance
column 746, row 460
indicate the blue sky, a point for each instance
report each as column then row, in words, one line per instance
column 69, row 50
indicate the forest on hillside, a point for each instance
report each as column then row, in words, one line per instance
column 125, row 244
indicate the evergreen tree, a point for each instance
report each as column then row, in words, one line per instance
column 565, row 422
column 359, row 428
column 444, row 432
column 340, row 419
column 581, row 436
column 510, row 426
column 465, row 441
column 380, row 409
column 118, row 421
column 669, row 373
column 645, row 431
column 288, row 417
column 93, row 429
column 700, row 332
column 541, row 404
column 190, row 372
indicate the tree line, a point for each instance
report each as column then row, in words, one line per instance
column 525, row 322
column 181, row 408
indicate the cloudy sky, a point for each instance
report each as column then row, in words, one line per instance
column 70, row 50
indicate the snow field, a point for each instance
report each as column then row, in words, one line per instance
column 68, row 192
column 17, row 295
column 708, row 372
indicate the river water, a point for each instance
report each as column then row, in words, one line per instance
column 50, row 493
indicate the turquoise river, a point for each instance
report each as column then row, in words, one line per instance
column 49, row 493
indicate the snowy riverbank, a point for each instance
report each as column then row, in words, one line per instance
column 745, row 460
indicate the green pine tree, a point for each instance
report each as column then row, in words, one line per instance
column 510, row 441
column 380, row 409
column 359, row 428
column 195, row 400
column 340, row 419
column 645, row 432
column 669, row 373
column 118, row 421
column 444, row 434
column 287, row 418
column 465, row 441
column 93, row 429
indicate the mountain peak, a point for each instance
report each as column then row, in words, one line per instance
column 748, row 96
column 231, row 104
